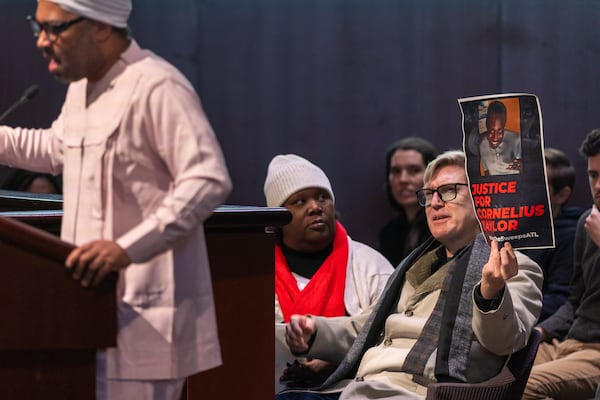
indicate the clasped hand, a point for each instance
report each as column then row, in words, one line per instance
column 298, row 333
column 92, row 262
column 515, row 165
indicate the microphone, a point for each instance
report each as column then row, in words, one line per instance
column 29, row 93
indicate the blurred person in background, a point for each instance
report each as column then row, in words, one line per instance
column 405, row 160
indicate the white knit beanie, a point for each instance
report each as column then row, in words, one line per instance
column 288, row 174
column 111, row 12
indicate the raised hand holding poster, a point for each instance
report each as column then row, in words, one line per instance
column 503, row 143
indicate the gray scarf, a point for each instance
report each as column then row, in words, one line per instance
column 455, row 327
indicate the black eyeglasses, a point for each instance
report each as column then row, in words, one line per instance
column 446, row 192
column 51, row 29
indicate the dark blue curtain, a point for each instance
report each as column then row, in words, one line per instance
column 338, row 80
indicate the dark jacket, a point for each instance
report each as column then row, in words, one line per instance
column 557, row 263
column 394, row 236
column 579, row 318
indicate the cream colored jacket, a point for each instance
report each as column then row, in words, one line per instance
column 498, row 333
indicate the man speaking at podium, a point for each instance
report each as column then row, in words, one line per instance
column 142, row 170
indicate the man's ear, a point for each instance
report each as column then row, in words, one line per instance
column 102, row 31
column 563, row 195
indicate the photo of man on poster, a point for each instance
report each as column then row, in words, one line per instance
column 500, row 149
column 502, row 139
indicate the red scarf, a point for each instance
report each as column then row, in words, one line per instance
column 324, row 293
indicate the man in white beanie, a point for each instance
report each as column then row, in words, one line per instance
column 319, row 269
column 142, row 170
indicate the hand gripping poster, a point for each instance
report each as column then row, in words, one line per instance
column 504, row 147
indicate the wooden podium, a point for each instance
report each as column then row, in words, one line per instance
column 242, row 261
column 51, row 325
column 241, row 252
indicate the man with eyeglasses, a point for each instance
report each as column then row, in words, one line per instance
column 142, row 169
column 454, row 309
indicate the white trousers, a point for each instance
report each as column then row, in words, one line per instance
column 125, row 389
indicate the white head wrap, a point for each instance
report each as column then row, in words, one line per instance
column 111, row 12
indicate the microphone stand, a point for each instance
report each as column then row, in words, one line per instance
column 29, row 93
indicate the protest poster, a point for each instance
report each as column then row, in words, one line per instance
column 504, row 148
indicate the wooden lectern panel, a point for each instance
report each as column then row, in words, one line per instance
column 242, row 266
column 52, row 326
column 48, row 309
column 48, row 375
column 242, row 260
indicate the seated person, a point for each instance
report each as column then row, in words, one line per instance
column 405, row 160
column 501, row 153
column 33, row 182
column 319, row 269
column 557, row 263
column 454, row 310
column 567, row 364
